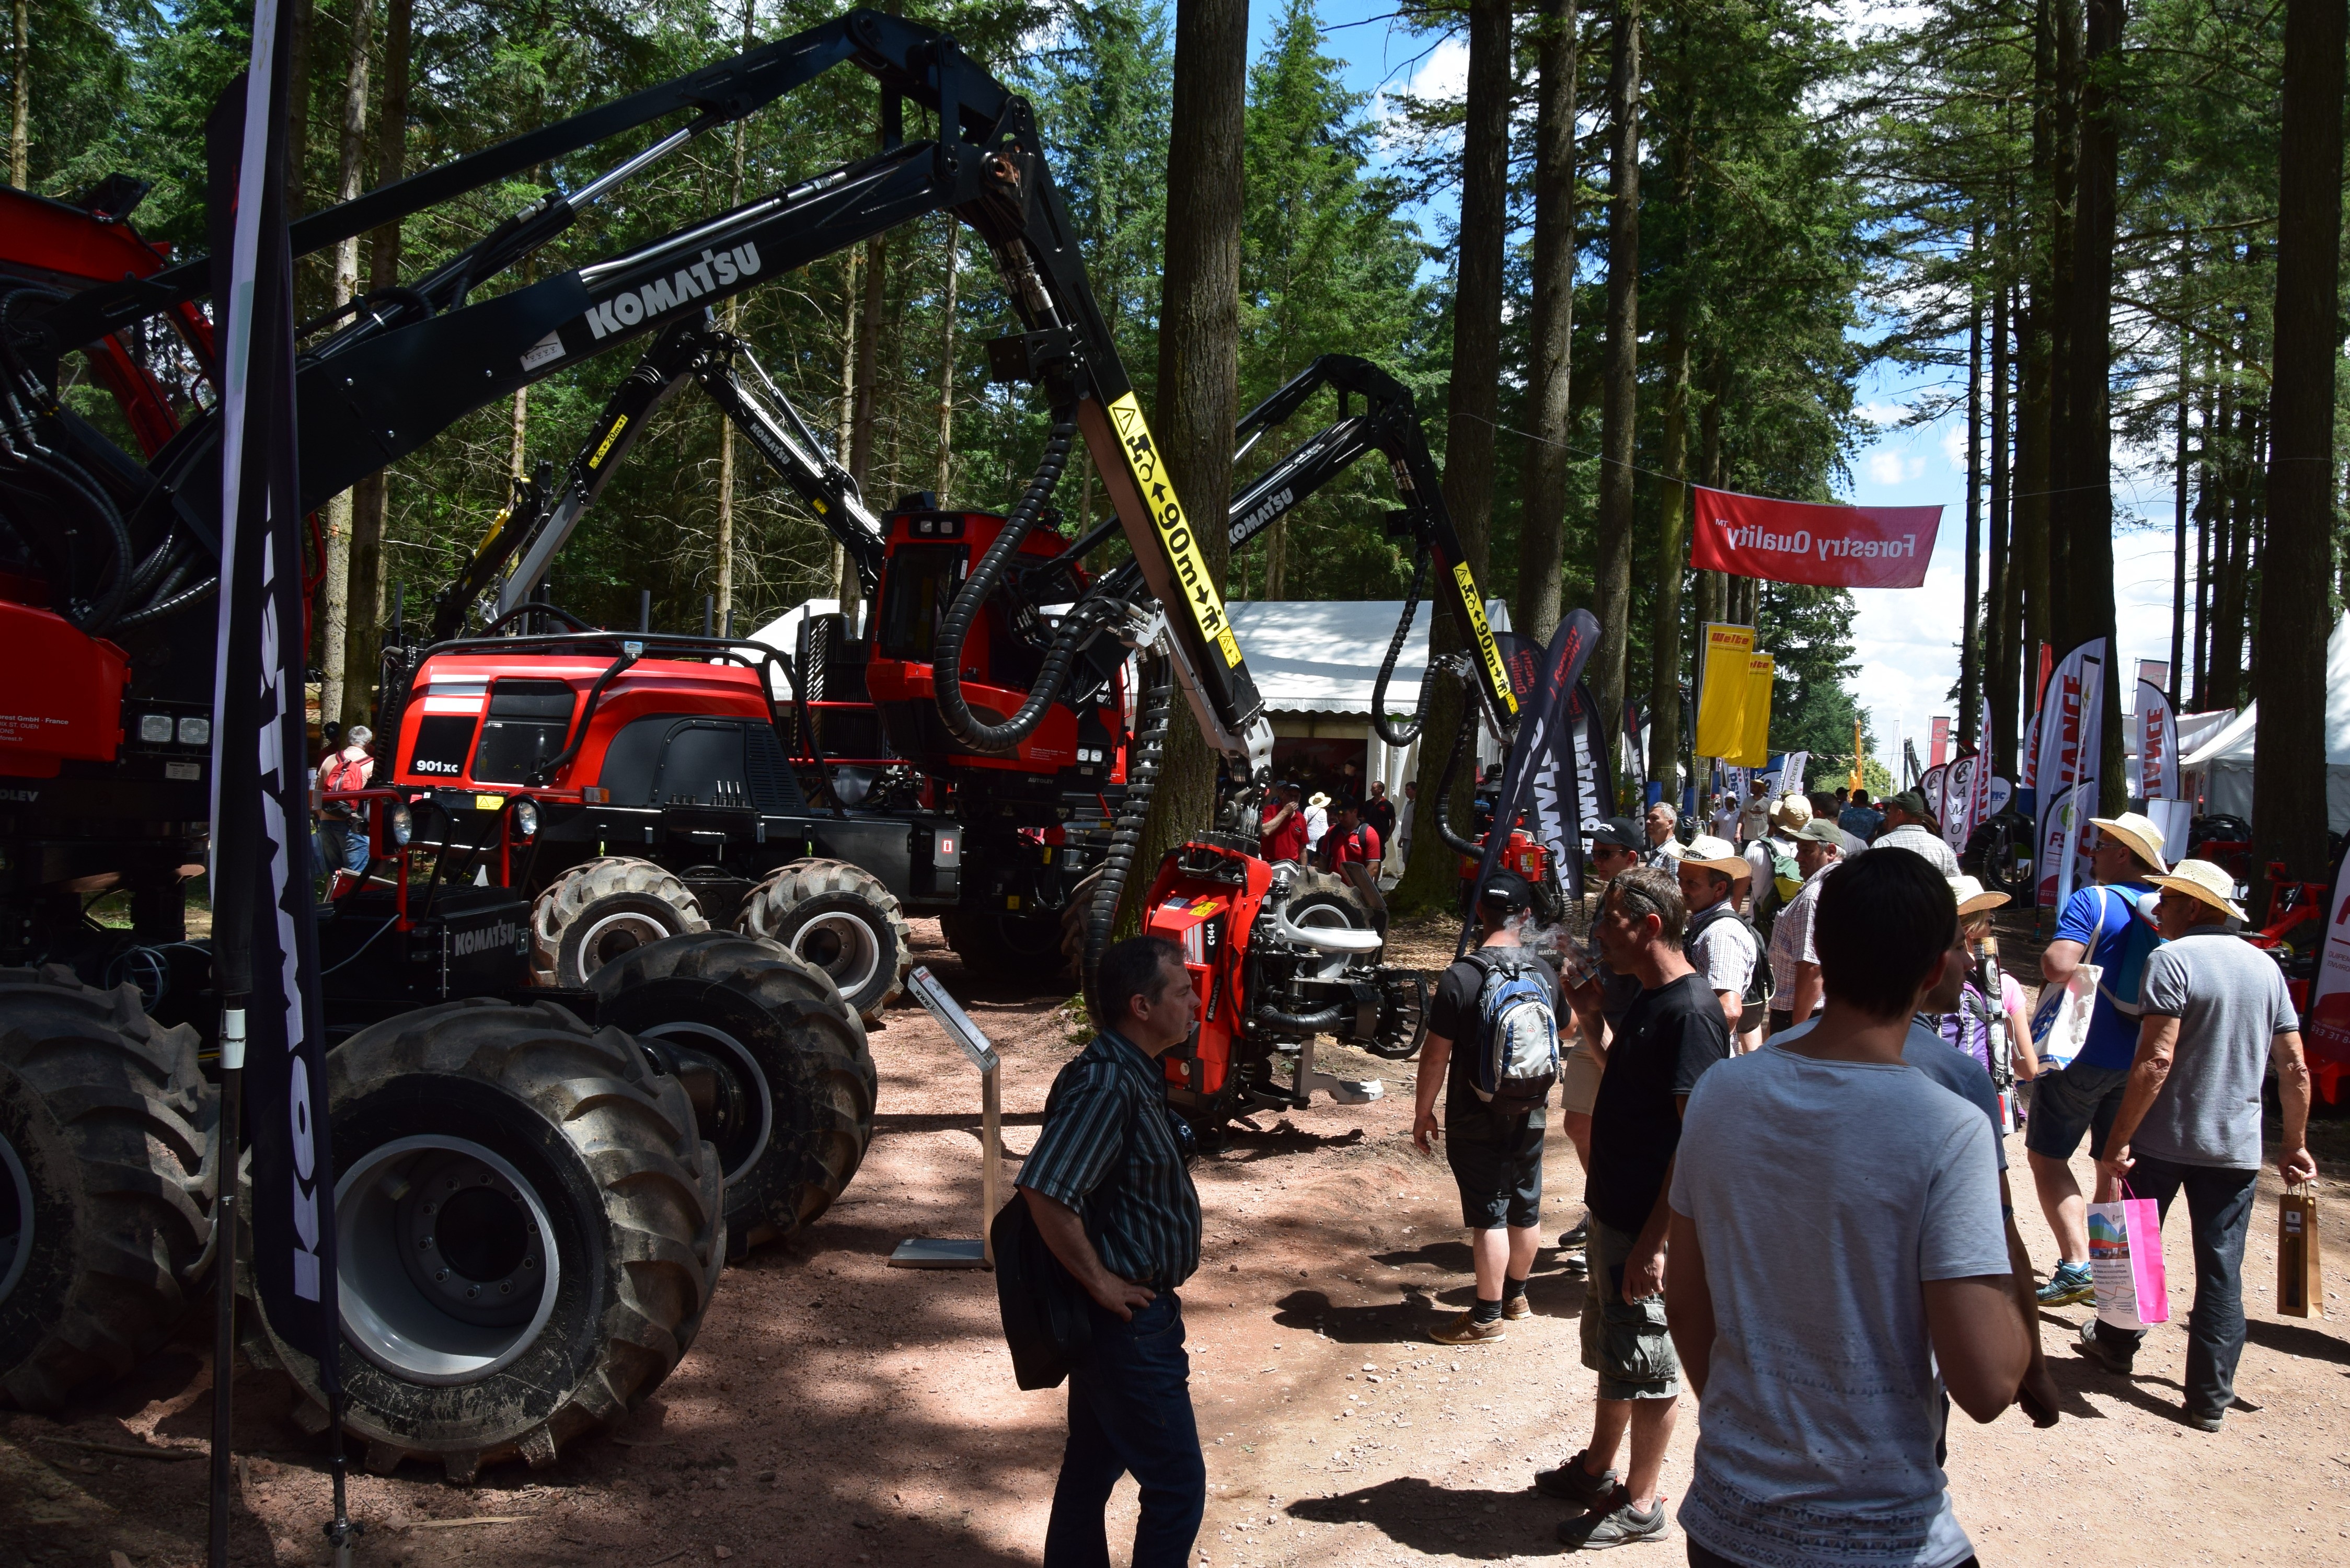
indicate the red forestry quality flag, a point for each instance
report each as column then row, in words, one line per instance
column 1799, row 542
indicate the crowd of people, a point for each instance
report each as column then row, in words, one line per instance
column 1779, row 1053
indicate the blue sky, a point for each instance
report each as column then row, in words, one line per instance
column 1905, row 640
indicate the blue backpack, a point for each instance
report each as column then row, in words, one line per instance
column 2120, row 982
column 1516, row 1060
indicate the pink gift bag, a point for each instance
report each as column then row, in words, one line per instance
column 2125, row 1262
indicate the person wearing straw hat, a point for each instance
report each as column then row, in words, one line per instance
column 1980, row 1000
column 2217, row 1014
column 1909, row 824
column 1794, row 963
column 1775, row 877
column 1317, row 824
column 2110, row 924
column 1719, row 944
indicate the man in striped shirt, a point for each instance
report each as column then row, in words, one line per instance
column 1107, row 1188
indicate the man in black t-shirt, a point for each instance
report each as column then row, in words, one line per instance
column 1496, row 1158
column 1670, row 1034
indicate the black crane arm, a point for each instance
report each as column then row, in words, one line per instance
column 1389, row 424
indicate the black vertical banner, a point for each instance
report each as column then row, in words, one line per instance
column 1539, row 778
column 264, row 947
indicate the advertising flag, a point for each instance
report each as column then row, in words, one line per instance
column 2064, row 819
column 2027, row 755
column 2072, row 713
column 1538, row 778
column 1591, row 801
column 1959, row 793
column 1978, row 807
column 2328, row 1020
column 264, row 943
column 1940, row 743
column 1803, row 542
column 1792, row 772
column 2158, row 744
column 1756, row 719
column 1721, row 694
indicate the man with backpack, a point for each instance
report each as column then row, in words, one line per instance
column 1493, row 1044
column 1672, row 1035
column 1776, row 876
column 342, row 831
column 1721, row 945
column 2106, row 926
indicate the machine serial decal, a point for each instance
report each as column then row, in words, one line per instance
column 1174, row 529
column 1487, row 650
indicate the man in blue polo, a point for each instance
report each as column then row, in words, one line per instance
column 1107, row 1188
column 2103, row 925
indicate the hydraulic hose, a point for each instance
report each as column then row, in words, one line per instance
column 1320, row 1022
column 946, row 659
column 1452, row 840
column 1410, row 732
column 1149, row 741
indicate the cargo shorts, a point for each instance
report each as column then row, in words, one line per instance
column 1625, row 1342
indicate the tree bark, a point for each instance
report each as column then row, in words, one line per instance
column 734, row 319
column 2032, row 433
column 2289, row 818
column 1971, row 635
column 2089, row 566
column 298, row 109
column 846, row 589
column 363, row 649
column 865, row 407
column 947, row 362
column 1672, row 522
column 1541, row 526
column 1199, row 359
column 20, row 113
column 2004, row 621
column 2178, row 682
column 1612, row 572
column 336, row 590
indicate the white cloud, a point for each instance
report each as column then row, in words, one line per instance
column 1444, row 73
column 1883, row 467
column 1882, row 414
column 1954, row 447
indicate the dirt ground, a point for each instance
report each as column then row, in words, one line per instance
column 836, row 1411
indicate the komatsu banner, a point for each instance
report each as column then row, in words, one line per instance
column 1801, row 541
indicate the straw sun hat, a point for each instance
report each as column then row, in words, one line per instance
column 2201, row 879
column 2139, row 832
column 1718, row 855
column 1973, row 899
column 1790, row 813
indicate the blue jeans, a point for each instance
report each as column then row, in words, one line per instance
column 2218, row 1209
column 343, row 845
column 1130, row 1412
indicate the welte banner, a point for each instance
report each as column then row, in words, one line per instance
column 1721, row 691
column 2327, row 1023
column 2158, row 744
column 1757, row 715
column 1803, row 542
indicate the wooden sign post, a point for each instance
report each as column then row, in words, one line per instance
column 921, row 1253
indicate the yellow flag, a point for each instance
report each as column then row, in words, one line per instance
column 1856, row 753
column 1757, row 751
column 1721, row 695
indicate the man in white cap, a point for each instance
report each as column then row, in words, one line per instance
column 2215, row 1015
column 1795, row 961
column 1719, row 944
column 2110, row 924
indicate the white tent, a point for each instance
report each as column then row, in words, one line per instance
column 2224, row 759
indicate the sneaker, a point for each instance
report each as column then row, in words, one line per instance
column 1466, row 1330
column 2096, row 1349
column 1572, row 1240
column 2069, row 1283
column 2207, row 1421
column 1573, row 1483
column 1614, row 1522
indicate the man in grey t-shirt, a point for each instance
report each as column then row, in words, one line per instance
column 2217, row 1014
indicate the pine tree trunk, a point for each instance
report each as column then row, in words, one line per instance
column 1970, row 637
column 335, row 591
column 947, row 362
column 2089, row 594
column 2032, row 433
column 363, row 656
column 20, row 113
column 846, row 588
column 298, row 109
column 1612, row 572
column 2289, row 818
column 2178, row 682
column 1199, row 359
column 1542, row 525
column 2000, row 650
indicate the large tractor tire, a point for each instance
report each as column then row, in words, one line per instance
column 778, row 1059
column 528, row 1232
column 1324, row 899
column 596, row 911
column 108, row 1164
column 841, row 918
column 1031, row 946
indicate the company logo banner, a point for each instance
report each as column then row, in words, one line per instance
column 1539, row 779
column 1802, row 542
column 2158, row 744
column 2329, row 1022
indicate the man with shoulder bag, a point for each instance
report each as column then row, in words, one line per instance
column 1721, row 946
column 1107, row 1189
column 1492, row 1046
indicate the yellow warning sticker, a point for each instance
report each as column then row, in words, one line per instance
column 1199, row 593
column 605, row 444
column 1482, row 634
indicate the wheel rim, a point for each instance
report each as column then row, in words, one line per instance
column 739, row 1147
column 444, row 1263
column 612, row 936
column 15, row 1219
column 1324, row 917
column 842, row 946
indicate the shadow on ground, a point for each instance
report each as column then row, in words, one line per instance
column 1446, row 1521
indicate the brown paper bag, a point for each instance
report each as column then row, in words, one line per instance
column 2300, row 1277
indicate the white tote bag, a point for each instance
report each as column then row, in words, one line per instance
column 2061, row 1027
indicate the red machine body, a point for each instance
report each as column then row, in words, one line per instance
column 1523, row 855
column 1209, row 918
column 68, row 702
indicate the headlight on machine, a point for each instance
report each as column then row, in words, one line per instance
column 399, row 823
column 525, row 819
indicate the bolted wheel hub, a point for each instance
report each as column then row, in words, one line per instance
column 446, row 1268
column 841, row 945
column 615, row 934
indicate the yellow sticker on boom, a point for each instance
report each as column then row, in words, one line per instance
column 1498, row 678
column 1175, row 534
column 609, row 437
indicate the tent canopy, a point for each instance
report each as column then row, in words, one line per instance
column 2225, row 759
column 1322, row 656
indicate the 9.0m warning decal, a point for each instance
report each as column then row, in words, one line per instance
column 1182, row 548
column 1497, row 677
